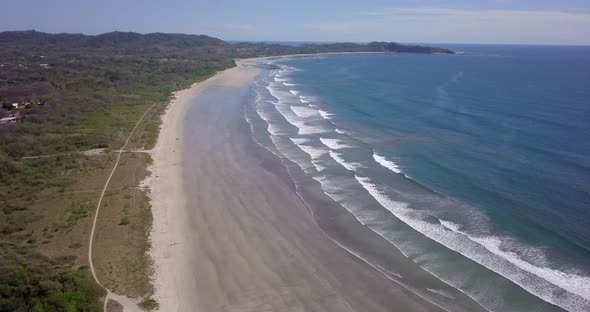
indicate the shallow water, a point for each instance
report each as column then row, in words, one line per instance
column 475, row 165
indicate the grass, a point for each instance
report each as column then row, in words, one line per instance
column 46, row 204
column 56, row 222
column 123, row 228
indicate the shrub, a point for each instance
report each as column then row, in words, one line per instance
column 149, row 304
column 124, row 220
column 75, row 245
column 49, row 290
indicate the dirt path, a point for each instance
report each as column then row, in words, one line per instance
column 127, row 303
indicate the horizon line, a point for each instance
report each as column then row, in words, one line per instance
column 309, row 41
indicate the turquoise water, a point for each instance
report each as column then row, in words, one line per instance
column 481, row 160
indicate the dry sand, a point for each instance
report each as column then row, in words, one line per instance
column 230, row 234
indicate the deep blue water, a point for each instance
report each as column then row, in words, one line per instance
column 484, row 154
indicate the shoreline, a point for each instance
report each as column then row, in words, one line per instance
column 165, row 185
column 346, row 231
column 448, row 268
column 176, row 238
column 310, row 55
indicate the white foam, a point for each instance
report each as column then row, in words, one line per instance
column 294, row 92
column 351, row 166
column 326, row 187
column 303, row 128
column 306, row 129
column 313, row 152
column 262, row 114
column 325, row 114
column 272, row 90
column 270, row 126
column 486, row 251
column 573, row 283
column 318, row 167
column 386, row 163
column 303, row 111
column 305, row 99
column 273, row 86
column 300, row 140
column 285, row 151
column 340, row 131
column 289, row 84
column 450, row 225
column 273, row 129
column 545, row 283
column 387, row 274
column 440, row 292
column 334, row 144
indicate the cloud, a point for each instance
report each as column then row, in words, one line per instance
column 426, row 13
column 431, row 24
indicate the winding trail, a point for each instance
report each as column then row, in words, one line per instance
column 127, row 303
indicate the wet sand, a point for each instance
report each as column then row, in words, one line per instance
column 231, row 234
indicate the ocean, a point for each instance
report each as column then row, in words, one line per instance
column 476, row 166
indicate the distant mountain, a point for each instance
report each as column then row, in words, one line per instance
column 31, row 37
column 179, row 41
column 161, row 43
column 114, row 39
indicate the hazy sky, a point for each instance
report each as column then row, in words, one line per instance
column 430, row 21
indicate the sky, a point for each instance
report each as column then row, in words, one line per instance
column 406, row 21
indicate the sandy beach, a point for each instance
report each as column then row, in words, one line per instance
column 231, row 234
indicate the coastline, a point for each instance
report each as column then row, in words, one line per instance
column 165, row 185
column 235, row 246
column 311, row 55
column 316, row 121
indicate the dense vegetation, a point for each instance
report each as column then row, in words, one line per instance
column 264, row 49
column 85, row 92
column 49, row 289
column 94, row 88
column 91, row 95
